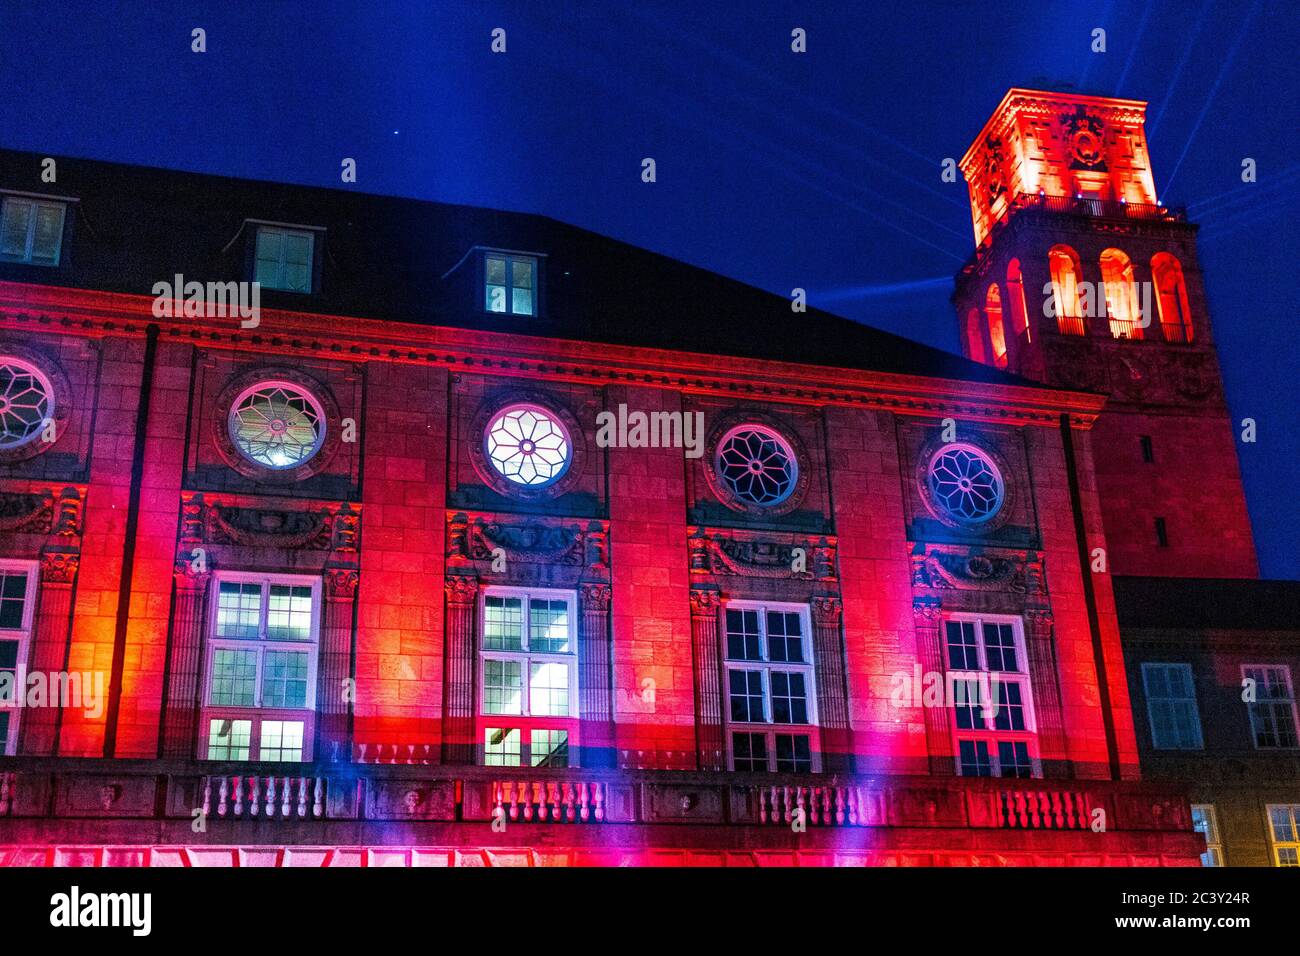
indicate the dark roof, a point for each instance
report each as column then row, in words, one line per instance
column 385, row 258
column 1220, row 603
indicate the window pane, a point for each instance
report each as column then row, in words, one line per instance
column 4, row 733
column 229, row 739
column 239, row 608
column 975, row 758
column 521, row 273
column 288, row 615
column 549, row 748
column 496, row 270
column 501, row 747
column 234, row 677
column 1000, row 647
column 48, row 235
column 749, row 752
column 13, row 595
column 968, row 705
column 8, row 674
column 746, row 696
column 269, row 255
column 784, row 637
column 503, row 623
column 793, row 754
column 742, row 635
column 521, row 303
column 548, row 689
column 17, row 218
column 1011, row 708
column 548, row 626
column 284, row 679
column 789, row 698
column 962, row 652
column 1013, row 759
column 503, row 689
column 281, row 741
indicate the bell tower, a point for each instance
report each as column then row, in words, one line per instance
column 1081, row 278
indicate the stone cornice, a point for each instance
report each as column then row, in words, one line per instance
column 27, row 307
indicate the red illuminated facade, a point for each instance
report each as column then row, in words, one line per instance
column 373, row 579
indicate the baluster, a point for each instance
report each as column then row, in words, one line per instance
column 1035, row 809
column 855, row 806
column 361, row 753
column 207, row 797
column 598, row 791
column 284, row 797
column 514, row 800
column 270, row 798
column 1058, row 815
column 318, row 798
column 223, row 794
column 839, row 806
column 799, row 795
column 527, row 798
column 6, row 782
column 569, row 811
column 583, row 812
column 302, row 797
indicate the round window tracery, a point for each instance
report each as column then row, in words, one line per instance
column 966, row 483
column 26, row 402
column 277, row 425
column 527, row 445
column 757, row 465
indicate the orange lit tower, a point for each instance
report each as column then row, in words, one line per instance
column 1081, row 278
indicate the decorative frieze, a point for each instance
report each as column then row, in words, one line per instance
column 749, row 554
column 957, row 567
column 208, row 520
column 548, row 541
column 56, row 512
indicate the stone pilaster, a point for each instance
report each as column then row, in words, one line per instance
column 49, row 655
column 189, row 621
column 710, row 752
column 594, row 678
column 832, row 702
column 927, row 618
column 1047, row 692
column 458, row 737
column 336, row 687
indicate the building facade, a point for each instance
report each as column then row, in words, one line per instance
column 477, row 538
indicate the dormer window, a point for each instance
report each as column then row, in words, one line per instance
column 31, row 230
column 510, row 283
column 283, row 259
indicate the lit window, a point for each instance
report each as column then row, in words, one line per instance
column 1284, row 828
column 997, row 330
column 31, row 231
column 17, row 593
column 527, row 445
column 26, row 402
column 260, row 688
column 510, row 284
column 284, row 258
column 528, row 671
column 987, row 681
column 277, row 425
column 1171, row 298
column 771, row 701
column 1064, row 265
column 1272, row 712
column 1171, row 706
column 757, row 465
column 1205, row 823
column 965, row 483
column 1121, row 295
column 1016, row 295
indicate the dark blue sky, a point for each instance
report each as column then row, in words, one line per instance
column 818, row 170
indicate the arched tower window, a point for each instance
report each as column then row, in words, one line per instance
column 1171, row 297
column 1121, row 295
column 997, row 331
column 1064, row 265
column 974, row 337
column 1016, row 300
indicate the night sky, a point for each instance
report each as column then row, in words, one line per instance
column 819, row 170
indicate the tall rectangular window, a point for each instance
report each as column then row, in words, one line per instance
column 1272, row 713
column 284, row 258
column 17, row 600
column 1171, row 706
column 992, row 709
column 771, row 700
column 528, row 678
column 31, row 230
column 259, row 698
column 1205, row 823
column 510, row 283
column 1284, row 829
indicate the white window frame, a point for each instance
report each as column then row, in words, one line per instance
column 525, row 721
column 990, row 734
column 1292, row 846
column 1213, row 855
column 258, row 713
column 1156, row 744
column 510, row 259
column 23, row 636
column 36, row 202
column 286, row 229
column 1285, row 670
column 768, row 727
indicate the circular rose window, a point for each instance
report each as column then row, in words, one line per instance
column 757, row 465
column 527, row 445
column 965, row 483
column 26, row 402
column 276, row 425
